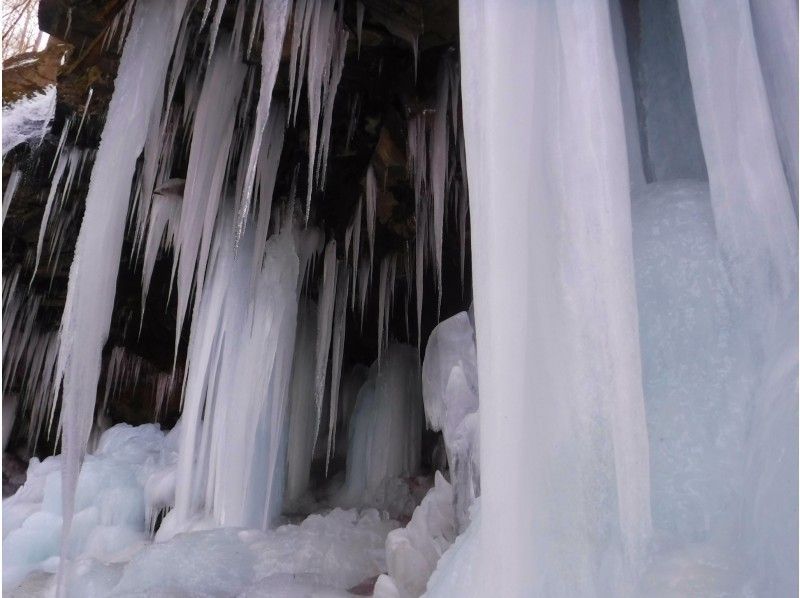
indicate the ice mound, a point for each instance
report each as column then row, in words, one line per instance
column 450, row 396
column 28, row 118
column 110, row 504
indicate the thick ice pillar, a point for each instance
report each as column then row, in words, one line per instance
column 757, row 231
column 775, row 29
column 751, row 201
column 564, row 452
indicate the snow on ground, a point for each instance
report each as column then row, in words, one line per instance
column 28, row 118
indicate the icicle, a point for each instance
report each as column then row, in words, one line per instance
column 93, row 275
column 337, row 354
column 337, row 64
column 385, row 295
column 359, row 23
column 371, row 194
column 274, row 15
column 419, row 269
column 11, row 188
column 324, row 325
column 351, row 124
column 356, row 247
column 205, row 177
column 319, row 47
column 60, row 146
column 363, row 286
column 83, row 116
column 438, row 157
column 301, row 19
column 63, row 161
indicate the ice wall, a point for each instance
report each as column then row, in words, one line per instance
column 564, row 454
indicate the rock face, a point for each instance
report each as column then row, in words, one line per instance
column 381, row 86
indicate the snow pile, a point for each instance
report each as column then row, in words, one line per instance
column 412, row 552
column 110, row 503
column 28, row 119
column 450, row 396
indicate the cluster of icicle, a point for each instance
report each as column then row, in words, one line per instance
column 29, row 357
column 238, row 262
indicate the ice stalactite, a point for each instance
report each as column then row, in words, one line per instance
column 578, row 505
column 327, row 299
column 356, row 224
column 11, row 188
column 371, row 198
column 165, row 213
column 326, row 43
column 68, row 164
column 438, row 158
column 757, row 232
column 93, row 275
column 212, row 137
column 337, row 355
column 301, row 404
column 386, row 284
column 275, row 15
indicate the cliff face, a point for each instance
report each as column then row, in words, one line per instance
column 380, row 88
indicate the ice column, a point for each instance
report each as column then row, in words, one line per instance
column 564, row 453
column 93, row 275
column 757, row 231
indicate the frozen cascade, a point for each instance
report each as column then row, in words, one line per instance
column 237, row 384
column 28, row 119
column 578, row 503
column 93, row 275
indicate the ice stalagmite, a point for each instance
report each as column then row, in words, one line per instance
column 93, row 275
column 564, row 453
